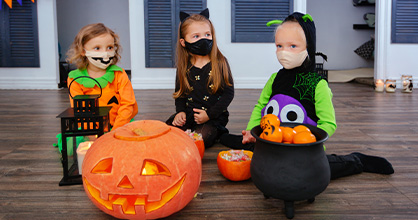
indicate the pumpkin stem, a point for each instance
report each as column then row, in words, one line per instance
column 139, row 131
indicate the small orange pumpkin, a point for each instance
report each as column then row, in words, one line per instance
column 143, row 170
column 288, row 134
column 272, row 133
column 301, row 128
column 304, row 137
column 268, row 120
column 233, row 170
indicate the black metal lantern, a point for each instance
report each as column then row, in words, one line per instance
column 86, row 118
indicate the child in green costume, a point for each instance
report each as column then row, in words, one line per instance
column 298, row 94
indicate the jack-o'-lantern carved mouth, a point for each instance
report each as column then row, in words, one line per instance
column 129, row 202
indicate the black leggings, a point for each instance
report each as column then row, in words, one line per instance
column 209, row 130
column 344, row 165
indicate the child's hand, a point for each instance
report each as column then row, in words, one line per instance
column 200, row 116
column 247, row 137
column 179, row 119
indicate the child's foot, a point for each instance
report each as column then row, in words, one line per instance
column 373, row 164
column 235, row 142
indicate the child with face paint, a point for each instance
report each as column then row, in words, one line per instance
column 95, row 51
column 296, row 93
column 204, row 86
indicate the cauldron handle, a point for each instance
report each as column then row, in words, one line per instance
column 289, row 209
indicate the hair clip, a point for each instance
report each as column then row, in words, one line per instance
column 306, row 17
column 274, row 22
column 184, row 15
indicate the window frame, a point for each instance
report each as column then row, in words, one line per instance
column 164, row 57
column 257, row 19
column 14, row 51
column 401, row 31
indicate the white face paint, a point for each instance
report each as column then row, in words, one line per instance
column 100, row 59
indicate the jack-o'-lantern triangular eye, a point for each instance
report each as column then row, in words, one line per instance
column 152, row 167
column 104, row 166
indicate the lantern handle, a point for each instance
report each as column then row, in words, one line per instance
column 69, row 86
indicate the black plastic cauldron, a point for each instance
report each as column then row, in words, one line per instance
column 290, row 172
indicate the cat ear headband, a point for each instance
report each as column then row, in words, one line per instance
column 184, row 15
column 305, row 18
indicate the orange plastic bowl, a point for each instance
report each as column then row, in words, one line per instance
column 232, row 170
column 201, row 147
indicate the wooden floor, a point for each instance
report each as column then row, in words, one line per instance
column 384, row 124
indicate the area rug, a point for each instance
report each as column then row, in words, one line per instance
column 350, row 75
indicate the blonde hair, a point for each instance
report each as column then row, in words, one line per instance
column 220, row 68
column 88, row 32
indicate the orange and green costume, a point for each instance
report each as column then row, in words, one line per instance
column 117, row 92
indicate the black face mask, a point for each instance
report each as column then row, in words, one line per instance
column 201, row 47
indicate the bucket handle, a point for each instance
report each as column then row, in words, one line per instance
column 69, row 86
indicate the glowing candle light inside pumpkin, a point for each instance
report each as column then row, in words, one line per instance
column 379, row 85
column 81, row 152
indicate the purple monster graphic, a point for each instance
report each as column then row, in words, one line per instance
column 287, row 109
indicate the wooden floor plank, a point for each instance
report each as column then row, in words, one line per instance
column 382, row 124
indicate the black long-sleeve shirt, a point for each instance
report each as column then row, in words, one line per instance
column 215, row 105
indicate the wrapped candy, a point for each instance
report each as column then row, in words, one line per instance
column 235, row 164
column 236, row 156
column 194, row 135
column 198, row 140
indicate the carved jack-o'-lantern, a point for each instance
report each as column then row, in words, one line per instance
column 143, row 170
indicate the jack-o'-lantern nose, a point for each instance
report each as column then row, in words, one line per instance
column 125, row 183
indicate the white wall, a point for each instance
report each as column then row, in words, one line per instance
column 144, row 78
column 75, row 14
column 335, row 35
column 393, row 60
column 44, row 77
column 251, row 63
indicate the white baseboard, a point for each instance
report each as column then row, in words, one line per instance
column 28, row 83
column 168, row 83
column 250, row 82
column 144, row 83
column 153, row 83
